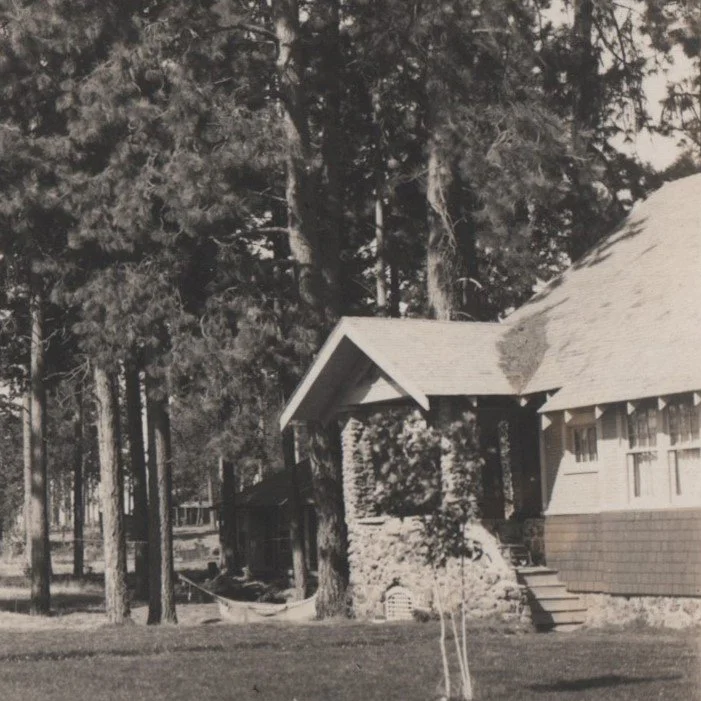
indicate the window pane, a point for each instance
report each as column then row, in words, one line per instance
column 683, row 422
column 577, row 445
column 642, row 428
column 687, row 471
column 584, row 443
column 642, row 478
column 591, row 433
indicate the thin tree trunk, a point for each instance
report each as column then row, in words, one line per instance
column 380, row 244
column 138, row 474
column 381, row 262
column 296, row 517
column 111, row 488
column 39, row 517
column 228, row 550
column 78, row 497
column 332, row 539
column 210, row 497
column 394, row 291
column 27, row 456
column 154, row 520
column 158, row 407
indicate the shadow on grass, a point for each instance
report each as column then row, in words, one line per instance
column 60, row 604
column 87, row 654
column 608, row 680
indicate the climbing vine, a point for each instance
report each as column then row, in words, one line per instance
column 406, row 467
column 404, row 459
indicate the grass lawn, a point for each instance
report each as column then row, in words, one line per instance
column 339, row 661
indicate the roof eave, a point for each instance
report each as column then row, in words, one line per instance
column 344, row 329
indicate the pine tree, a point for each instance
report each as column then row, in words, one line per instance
column 111, row 490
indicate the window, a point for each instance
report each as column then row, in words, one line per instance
column 642, row 427
column 643, row 480
column 684, row 456
column 584, row 443
column 683, row 420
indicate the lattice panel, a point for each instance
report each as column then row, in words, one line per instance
column 399, row 605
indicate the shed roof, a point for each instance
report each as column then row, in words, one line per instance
column 625, row 321
column 423, row 357
column 274, row 489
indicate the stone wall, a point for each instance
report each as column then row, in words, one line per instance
column 384, row 551
column 662, row 611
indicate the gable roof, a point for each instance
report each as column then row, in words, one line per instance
column 625, row 321
column 422, row 357
column 621, row 324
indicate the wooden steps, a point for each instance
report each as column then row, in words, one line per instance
column 552, row 606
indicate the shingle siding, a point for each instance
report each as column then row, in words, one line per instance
column 627, row 552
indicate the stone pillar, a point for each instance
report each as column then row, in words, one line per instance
column 506, row 458
column 443, row 419
column 351, row 428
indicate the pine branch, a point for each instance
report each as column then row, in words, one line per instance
column 248, row 27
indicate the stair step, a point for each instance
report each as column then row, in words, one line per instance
column 545, row 618
column 548, row 590
column 566, row 627
column 537, row 576
column 559, row 605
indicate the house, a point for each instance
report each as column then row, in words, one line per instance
column 263, row 524
column 598, row 379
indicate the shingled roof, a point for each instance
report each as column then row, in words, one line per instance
column 621, row 324
column 423, row 357
column 624, row 322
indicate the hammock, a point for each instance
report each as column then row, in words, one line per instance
column 252, row 611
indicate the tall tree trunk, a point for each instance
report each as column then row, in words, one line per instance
column 39, row 516
column 111, row 489
column 154, row 519
column 583, row 79
column 452, row 277
column 228, row 557
column 78, row 496
column 583, row 72
column 27, row 456
column 158, row 408
column 331, row 157
column 301, row 220
column 332, row 537
column 138, row 473
column 296, row 517
column 314, row 269
column 439, row 275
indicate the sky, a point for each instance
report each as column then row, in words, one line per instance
column 657, row 150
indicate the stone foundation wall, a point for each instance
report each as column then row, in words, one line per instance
column 662, row 611
column 384, row 551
